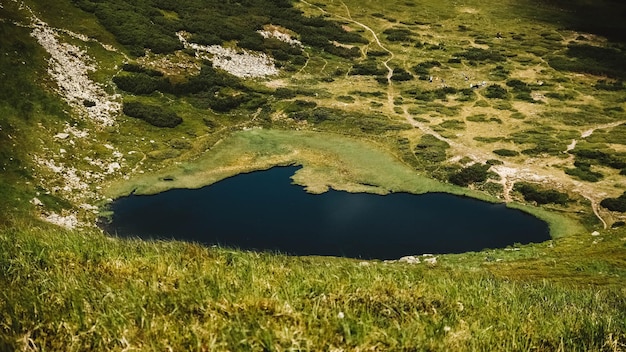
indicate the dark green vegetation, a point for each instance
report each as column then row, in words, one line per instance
column 615, row 204
column 532, row 193
column 470, row 174
column 152, row 114
column 593, row 60
column 430, row 149
column 152, row 24
column 505, row 152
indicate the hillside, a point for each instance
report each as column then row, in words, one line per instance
column 517, row 101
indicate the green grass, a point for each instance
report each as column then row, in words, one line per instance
column 80, row 291
column 328, row 160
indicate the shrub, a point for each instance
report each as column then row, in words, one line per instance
column 588, row 155
column 518, row 85
column 398, row 34
column 609, row 86
column 423, row 68
column 582, row 170
column 141, row 83
column 452, row 124
column 471, row 174
column 284, row 93
column 615, row 204
column 466, row 94
column 431, row 149
column 478, row 54
column 367, row 68
column 152, row 114
column 560, row 96
column 506, row 152
column 533, row 194
column 400, row 74
column 496, row 91
column 346, row 99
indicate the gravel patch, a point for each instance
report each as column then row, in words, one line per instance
column 240, row 63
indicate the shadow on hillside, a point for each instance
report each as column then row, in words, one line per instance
column 606, row 18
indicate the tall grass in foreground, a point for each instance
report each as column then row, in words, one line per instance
column 81, row 290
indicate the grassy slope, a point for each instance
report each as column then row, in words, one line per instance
column 79, row 290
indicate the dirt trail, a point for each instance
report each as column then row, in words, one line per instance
column 589, row 132
column 376, row 39
column 509, row 172
column 390, row 96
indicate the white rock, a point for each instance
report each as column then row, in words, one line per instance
column 70, row 66
column 36, row 201
column 68, row 222
column 241, row 63
column 61, row 135
column 595, row 233
column 430, row 260
column 113, row 167
column 409, row 259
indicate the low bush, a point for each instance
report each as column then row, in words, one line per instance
column 451, row 125
column 141, row 83
column 600, row 157
column 582, row 171
column 562, row 96
column 284, row 93
column 400, row 74
column 609, row 86
column 423, row 68
column 430, row 149
column 368, row 68
column 398, row 34
column 518, row 85
column 496, row 91
column 592, row 60
column 471, row 174
column 615, row 204
column 532, row 193
column 152, row 114
column 506, row 152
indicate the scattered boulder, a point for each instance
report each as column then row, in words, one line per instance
column 409, row 260
column 61, row 135
column 430, row 260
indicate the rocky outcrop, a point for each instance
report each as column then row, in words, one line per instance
column 240, row 63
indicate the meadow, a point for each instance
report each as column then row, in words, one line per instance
column 515, row 101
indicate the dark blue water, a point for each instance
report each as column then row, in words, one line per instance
column 264, row 211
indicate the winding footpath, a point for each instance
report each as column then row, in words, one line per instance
column 509, row 172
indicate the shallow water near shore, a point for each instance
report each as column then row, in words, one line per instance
column 264, row 211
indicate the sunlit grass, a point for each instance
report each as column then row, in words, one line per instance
column 77, row 291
